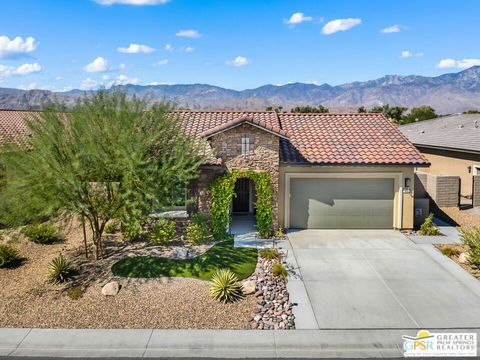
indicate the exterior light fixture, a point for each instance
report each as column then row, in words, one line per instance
column 408, row 183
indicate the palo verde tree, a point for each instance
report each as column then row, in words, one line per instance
column 107, row 157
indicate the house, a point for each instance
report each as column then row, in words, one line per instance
column 451, row 144
column 327, row 170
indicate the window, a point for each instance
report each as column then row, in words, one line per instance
column 245, row 145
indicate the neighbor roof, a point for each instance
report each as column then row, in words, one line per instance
column 318, row 139
column 459, row 132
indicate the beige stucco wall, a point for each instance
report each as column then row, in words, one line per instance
column 382, row 171
column 444, row 162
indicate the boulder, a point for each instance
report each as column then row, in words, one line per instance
column 110, row 289
column 463, row 258
column 248, row 287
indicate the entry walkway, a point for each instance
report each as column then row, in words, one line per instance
column 244, row 231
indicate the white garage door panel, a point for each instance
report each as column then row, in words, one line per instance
column 341, row 203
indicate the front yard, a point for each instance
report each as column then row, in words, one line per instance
column 27, row 300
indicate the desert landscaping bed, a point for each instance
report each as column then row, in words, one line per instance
column 458, row 253
column 463, row 218
column 26, row 300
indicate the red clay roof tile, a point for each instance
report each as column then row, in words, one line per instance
column 321, row 139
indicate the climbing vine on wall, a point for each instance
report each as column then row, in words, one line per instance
column 222, row 192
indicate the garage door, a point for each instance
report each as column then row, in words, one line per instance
column 341, row 203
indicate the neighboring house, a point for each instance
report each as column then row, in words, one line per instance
column 328, row 170
column 452, row 146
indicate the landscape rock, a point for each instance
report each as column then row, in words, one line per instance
column 248, row 287
column 462, row 258
column 274, row 310
column 111, row 288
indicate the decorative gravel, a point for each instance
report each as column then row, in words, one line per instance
column 27, row 301
column 274, row 309
column 461, row 259
column 463, row 218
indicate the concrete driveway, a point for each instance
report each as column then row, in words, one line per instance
column 380, row 279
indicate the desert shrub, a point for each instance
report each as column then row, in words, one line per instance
column 279, row 234
column 269, row 253
column 225, row 287
column 162, row 231
column 8, row 254
column 59, row 270
column 471, row 238
column 197, row 231
column 44, row 233
column 428, row 227
column 76, row 292
column 112, row 227
column 131, row 229
column 449, row 251
column 279, row 270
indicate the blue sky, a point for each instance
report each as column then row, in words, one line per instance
column 60, row 44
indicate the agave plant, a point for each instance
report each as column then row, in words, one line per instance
column 59, row 270
column 225, row 287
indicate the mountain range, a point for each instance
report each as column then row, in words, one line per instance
column 448, row 93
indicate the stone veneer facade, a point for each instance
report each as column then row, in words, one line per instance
column 264, row 156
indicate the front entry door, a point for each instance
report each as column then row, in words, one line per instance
column 242, row 200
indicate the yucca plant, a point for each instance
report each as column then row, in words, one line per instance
column 59, row 270
column 8, row 254
column 225, row 287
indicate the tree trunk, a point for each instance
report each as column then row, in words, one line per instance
column 84, row 236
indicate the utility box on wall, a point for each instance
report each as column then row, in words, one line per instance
column 421, row 211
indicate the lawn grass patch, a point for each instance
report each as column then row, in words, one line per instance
column 242, row 261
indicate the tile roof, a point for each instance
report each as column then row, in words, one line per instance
column 461, row 132
column 244, row 120
column 198, row 122
column 346, row 139
column 13, row 128
column 319, row 139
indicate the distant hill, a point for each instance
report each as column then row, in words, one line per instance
column 448, row 93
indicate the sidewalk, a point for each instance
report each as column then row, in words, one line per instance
column 206, row 343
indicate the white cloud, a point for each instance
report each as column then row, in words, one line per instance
column 459, row 64
column 238, row 61
column 98, row 65
column 161, row 62
column 88, row 84
column 391, row 29
column 187, row 49
column 58, row 77
column 297, row 18
column 105, row 77
column 123, row 80
column 25, row 69
column 169, row 47
column 122, row 67
column 340, row 25
column 131, row 2
column 136, row 49
column 30, row 86
column 192, row 34
column 17, row 46
column 405, row 54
